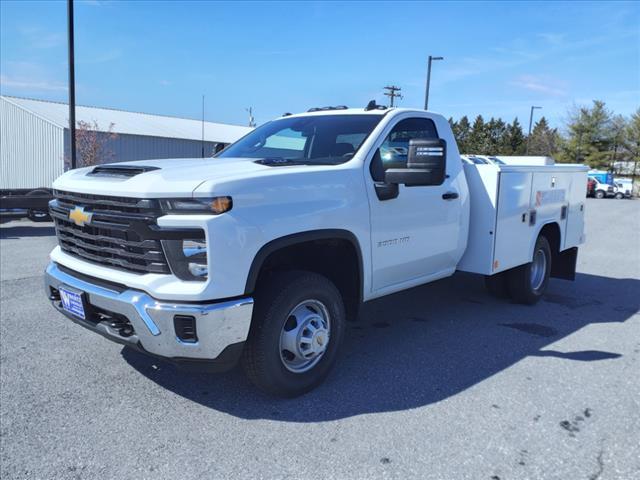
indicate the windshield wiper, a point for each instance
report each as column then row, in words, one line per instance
column 279, row 161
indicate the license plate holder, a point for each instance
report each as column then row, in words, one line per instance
column 73, row 301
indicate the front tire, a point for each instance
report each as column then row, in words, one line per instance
column 527, row 283
column 297, row 328
column 619, row 196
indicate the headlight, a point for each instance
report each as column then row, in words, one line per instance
column 212, row 205
column 187, row 258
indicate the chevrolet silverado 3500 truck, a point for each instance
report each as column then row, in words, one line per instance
column 264, row 252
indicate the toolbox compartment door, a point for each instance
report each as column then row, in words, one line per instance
column 513, row 226
column 575, row 213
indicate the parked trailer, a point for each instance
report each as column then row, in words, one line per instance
column 34, row 203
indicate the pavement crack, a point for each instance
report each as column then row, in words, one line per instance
column 598, row 472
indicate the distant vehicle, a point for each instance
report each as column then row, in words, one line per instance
column 602, row 190
column 625, row 188
column 34, row 203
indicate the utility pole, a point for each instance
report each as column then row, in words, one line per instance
column 202, row 126
column 426, row 94
column 391, row 93
column 533, row 107
column 252, row 121
column 72, row 84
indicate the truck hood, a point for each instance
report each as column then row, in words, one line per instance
column 158, row 178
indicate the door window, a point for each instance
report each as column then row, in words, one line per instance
column 393, row 151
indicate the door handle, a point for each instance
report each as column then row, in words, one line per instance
column 450, row 196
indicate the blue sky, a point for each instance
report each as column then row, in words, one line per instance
column 161, row 57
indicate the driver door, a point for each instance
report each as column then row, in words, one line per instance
column 414, row 236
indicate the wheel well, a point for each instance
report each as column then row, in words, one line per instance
column 338, row 259
column 563, row 264
column 551, row 231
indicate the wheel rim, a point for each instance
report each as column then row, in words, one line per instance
column 305, row 336
column 538, row 269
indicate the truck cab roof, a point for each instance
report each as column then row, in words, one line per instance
column 356, row 111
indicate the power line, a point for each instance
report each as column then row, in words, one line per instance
column 392, row 92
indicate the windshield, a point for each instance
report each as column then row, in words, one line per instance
column 316, row 139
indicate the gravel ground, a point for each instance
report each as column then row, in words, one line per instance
column 440, row 382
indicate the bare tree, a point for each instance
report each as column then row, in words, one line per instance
column 91, row 144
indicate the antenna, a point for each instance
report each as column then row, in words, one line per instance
column 202, row 126
column 391, row 93
column 252, row 121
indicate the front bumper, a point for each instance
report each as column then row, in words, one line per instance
column 221, row 327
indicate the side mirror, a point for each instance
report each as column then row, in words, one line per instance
column 426, row 164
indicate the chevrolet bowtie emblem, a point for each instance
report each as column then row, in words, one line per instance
column 80, row 217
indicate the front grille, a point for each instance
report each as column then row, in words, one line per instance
column 122, row 232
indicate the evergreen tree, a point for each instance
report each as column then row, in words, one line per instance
column 496, row 130
column 618, row 130
column 631, row 142
column 462, row 132
column 590, row 136
column 543, row 140
column 514, row 139
column 478, row 138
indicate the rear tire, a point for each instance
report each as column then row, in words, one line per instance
column 599, row 194
column 527, row 283
column 38, row 215
column 297, row 328
column 497, row 285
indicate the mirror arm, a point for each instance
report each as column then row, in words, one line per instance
column 386, row 191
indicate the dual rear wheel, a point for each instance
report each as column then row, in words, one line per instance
column 526, row 283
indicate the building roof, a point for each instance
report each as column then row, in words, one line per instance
column 132, row 123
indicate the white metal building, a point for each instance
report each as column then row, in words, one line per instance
column 34, row 138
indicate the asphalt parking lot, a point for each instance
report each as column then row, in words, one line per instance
column 439, row 382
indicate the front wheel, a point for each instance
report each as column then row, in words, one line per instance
column 297, row 328
column 527, row 283
column 619, row 196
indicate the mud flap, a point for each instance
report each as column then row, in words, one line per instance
column 563, row 264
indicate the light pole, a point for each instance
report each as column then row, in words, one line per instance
column 533, row 107
column 72, row 84
column 426, row 95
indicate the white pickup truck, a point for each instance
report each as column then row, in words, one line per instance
column 264, row 252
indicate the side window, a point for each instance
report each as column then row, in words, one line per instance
column 395, row 147
column 393, row 151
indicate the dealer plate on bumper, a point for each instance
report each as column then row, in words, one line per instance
column 72, row 302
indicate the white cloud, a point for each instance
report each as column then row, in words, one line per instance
column 539, row 84
column 102, row 57
column 33, row 85
column 555, row 39
column 29, row 77
column 37, row 37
